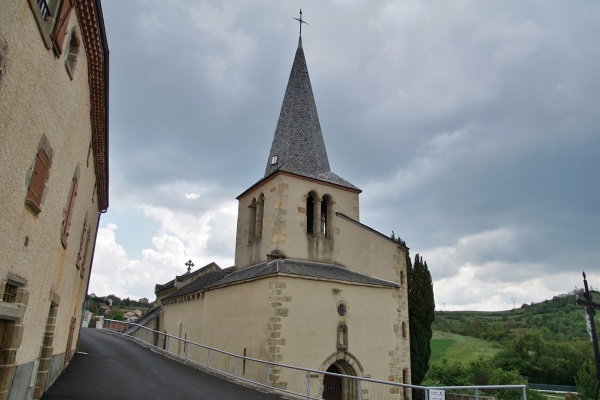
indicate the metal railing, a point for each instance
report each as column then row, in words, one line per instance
column 295, row 381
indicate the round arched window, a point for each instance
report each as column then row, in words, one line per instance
column 342, row 309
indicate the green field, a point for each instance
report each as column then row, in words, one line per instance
column 454, row 347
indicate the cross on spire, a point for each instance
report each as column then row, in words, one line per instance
column 189, row 264
column 301, row 21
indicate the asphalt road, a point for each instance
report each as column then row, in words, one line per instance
column 109, row 367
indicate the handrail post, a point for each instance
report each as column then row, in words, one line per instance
column 268, row 374
column 476, row 393
column 359, row 388
column 185, row 349
column 524, row 392
column 235, row 359
column 308, row 384
column 208, row 360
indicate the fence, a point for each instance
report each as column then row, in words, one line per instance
column 299, row 382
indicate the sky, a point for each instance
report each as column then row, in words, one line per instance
column 472, row 128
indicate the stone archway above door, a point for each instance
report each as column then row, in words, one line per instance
column 338, row 388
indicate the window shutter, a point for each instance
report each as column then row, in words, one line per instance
column 60, row 28
column 80, row 255
column 39, row 176
column 64, row 234
column 87, row 246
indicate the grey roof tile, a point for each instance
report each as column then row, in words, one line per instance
column 300, row 268
column 199, row 284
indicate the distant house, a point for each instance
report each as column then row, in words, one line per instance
column 132, row 316
column 143, row 300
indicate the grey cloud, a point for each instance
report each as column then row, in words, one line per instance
column 455, row 118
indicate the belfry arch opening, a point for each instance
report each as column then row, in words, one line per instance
column 260, row 209
column 337, row 387
column 251, row 220
column 311, row 214
column 256, row 211
column 326, row 207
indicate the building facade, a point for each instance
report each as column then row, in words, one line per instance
column 54, row 182
column 311, row 286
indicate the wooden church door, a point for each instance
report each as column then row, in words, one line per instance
column 332, row 385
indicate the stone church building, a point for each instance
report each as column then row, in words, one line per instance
column 312, row 286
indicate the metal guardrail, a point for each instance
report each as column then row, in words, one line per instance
column 295, row 381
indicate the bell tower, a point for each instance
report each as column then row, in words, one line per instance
column 290, row 212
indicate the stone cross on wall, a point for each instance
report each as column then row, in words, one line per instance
column 189, row 264
column 590, row 308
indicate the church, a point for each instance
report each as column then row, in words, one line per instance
column 311, row 286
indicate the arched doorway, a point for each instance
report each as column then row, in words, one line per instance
column 337, row 387
column 332, row 385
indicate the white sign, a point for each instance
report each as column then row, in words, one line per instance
column 437, row 394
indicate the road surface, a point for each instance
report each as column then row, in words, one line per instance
column 109, row 367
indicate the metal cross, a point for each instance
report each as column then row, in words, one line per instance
column 301, row 21
column 590, row 308
column 189, row 264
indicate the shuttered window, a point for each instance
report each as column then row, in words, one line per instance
column 85, row 252
column 60, row 28
column 80, row 255
column 2, row 62
column 39, row 176
column 66, row 224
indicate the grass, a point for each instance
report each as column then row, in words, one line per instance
column 552, row 396
column 464, row 349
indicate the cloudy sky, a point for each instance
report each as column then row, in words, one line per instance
column 473, row 129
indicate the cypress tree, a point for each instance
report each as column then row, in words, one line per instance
column 421, row 307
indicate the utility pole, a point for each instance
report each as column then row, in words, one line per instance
column 590, row 309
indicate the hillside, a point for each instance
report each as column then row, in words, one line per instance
column 560, row 315
column 464, row 349
column 544, row 342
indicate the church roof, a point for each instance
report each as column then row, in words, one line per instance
column 160, row 287
column 298, row 145
column 188, row 275
column 300, row 268
column 200, row 283
column 290, row 267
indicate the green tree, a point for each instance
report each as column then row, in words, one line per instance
column 585, row 380
column 421, row 308
column 480, row 372
column 542, row 358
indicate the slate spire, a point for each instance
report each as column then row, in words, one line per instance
column 298, row 145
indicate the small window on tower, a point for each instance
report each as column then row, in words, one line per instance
column 274, row 160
